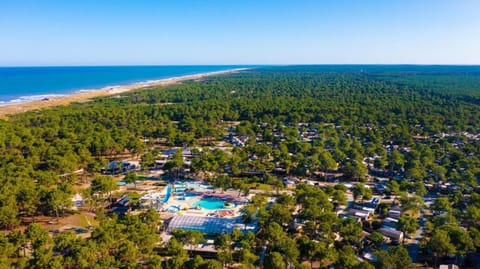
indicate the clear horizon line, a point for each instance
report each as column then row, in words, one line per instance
column 249, row 65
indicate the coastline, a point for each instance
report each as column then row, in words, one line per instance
column 85, row 95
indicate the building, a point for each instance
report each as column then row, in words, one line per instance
column 208, row 225
column 392, row 233
column 380, row 188
column 395, row 214
column 449, row 266
column 118, row 167
column 359, row 213
column 390, row 222
column 289, row 183
column 371, row 205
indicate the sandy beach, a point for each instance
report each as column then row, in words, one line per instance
column 87, row 95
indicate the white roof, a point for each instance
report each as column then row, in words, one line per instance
column 209, row 225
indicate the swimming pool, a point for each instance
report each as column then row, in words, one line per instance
column 211, row 203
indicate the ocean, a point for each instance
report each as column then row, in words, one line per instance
column 25, row 84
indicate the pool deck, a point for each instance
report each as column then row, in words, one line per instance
column 187, row 208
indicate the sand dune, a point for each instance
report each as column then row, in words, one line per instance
column 85, row 96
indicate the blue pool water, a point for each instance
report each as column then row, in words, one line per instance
column 210, row 203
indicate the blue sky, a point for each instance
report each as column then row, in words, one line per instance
column 125, row 32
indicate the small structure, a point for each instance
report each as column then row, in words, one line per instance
column 390, row 222
column 392, row 233
column 359, row 213
column 380, row 188
column 118, row 167
column 395, row 214
column 238, row 141
column 77, row 200
column 297, row 225
column 449, row 266
column 124, row 201
column 369, row 209
column 289, row 183
column 187, row 153
column 370, row 257
column 168, row 154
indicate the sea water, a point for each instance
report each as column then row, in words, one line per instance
column 25, row 84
